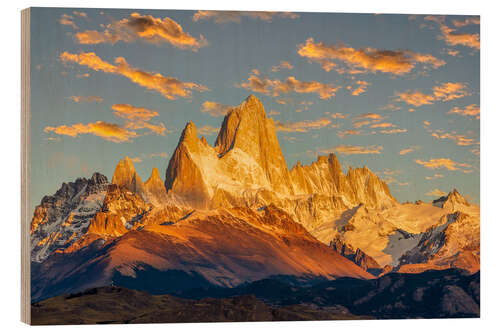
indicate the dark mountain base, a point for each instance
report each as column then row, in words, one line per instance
column 432, row 294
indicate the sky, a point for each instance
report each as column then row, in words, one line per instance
column 397, row 93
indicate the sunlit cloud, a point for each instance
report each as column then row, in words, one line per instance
column 281, row 66
column 362, row 85
column 108, row 131
column 342, row 134
column 452, row 37
column 80, row 14
column 143, row 27
column 339, row 115
column 470, row 110
column 466, row 22
column 435, row 176
column 257, row 82
column 382, row 125
column 444, row 163
column 169, row 87
column 459, row 139
column 66, row 19
column 394, row 131
column 86, row 99
column 436, row 193
column 215, row 109
column 302, row 126
column 221, row 17
column 354, row 150
column 444, row 92
column 406, row 151
column 365, row 60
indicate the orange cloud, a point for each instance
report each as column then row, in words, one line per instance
column 235, row 16
column 281, row 66
column 459, row 139
column 394, row 131
column 364, row 60
column 143, row 27
column 382, row 125
column 169, row 87
column 445, row 92
column 451, row 37
column 259, row 83
column 362, row 85
column 215, row 109
column 406, row 151
column 302, row 126
column 435, row 176
column 86, row 99
column 107, row 131
column 130, row 112
column 342, row 134
column 466, row 22
column 339, row 116
column 470, row 110
column 68, row 20
column 444, row 163
column 356, row 150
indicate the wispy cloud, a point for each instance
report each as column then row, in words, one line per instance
column 221, row 17
column 257, row 82
column 281, row 66
column 452, row 37
column 138, row 118
column 342, row 134
column 444, row 92
column 354, row 150
column 435, row 176
column 86, row 99
column 143, row 27
column 215, row 109
column 365, row 60
column 444, row 163
column 471, row 110
column 66, row 19
column 169, row 87
column 108, row 131
column 406, row 151
column 302, row 126
column 459, row 139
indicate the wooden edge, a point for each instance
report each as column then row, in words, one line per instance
column 25, row 166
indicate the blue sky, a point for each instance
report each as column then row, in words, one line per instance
column 397, row 93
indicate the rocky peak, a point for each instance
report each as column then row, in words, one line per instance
column 451, row 201
column 155, row 186
column 126, row 176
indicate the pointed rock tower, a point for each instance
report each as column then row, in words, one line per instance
column 247, row 128
column 155, row 186
column 126, row 176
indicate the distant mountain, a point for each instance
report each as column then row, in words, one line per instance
column 233, row 212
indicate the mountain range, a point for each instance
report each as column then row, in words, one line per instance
column 233, row 213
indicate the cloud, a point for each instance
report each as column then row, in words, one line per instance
column 281, row 66
column 459, row 139
column 406, row 151
column 108, row 131
column 394, row 131
column 444, row 92
column 444, row 163
column 274, row 113
column 160, row 155
column 354, row 150
column 435, row 176
column 215, row 109
column 261, row 84
column 361, row 88
column 81, row 14
column 366, row 119
column 466, row 22
column 382, row 125
column 133, row 113
column 452, row 37
column 342, row 134
column 365, row 60
column 235, row 16
column 136, row 159
column 339, row 115
column 302, row 126
column 208, row 130
column 86, row 99
column 143, row 27
column 170, row 87
column 68, row 20
column 436, row 193
column 470, row 110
